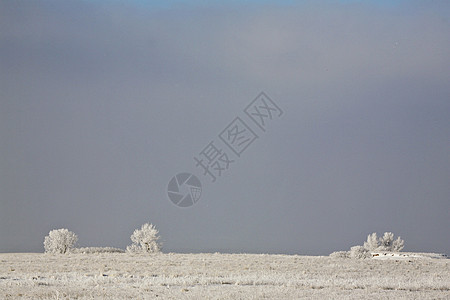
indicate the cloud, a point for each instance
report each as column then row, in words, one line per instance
column 101, row 103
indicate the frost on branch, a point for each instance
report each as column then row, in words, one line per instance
column 59, row 241
column 145, row 240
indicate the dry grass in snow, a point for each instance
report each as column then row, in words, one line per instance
column 219, row 276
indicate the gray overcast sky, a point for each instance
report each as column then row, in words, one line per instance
column 101, row 104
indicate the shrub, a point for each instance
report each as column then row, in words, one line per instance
column 145, row 240
column 96, row 250
column 59, row 241
column 359, row 252
column 340, row 254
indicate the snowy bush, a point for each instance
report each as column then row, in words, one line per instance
column 384, row 243
column 96, row 250
column 134, row 248
column 145, row 240
column 373, row 243
column 359, row 252
column 59, row 241
column 340, row 254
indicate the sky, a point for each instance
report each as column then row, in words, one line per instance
column 102, row 103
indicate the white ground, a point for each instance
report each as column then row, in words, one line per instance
column 220, row 276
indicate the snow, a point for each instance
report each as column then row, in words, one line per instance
column 406, row 255
column 219, row 276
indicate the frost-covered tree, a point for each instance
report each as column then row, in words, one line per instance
column 372, row 242
column 384, row 243
column 59, row 241
column 145, row 239
column 398, row 244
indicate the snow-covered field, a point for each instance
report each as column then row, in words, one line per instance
column 220, row 276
